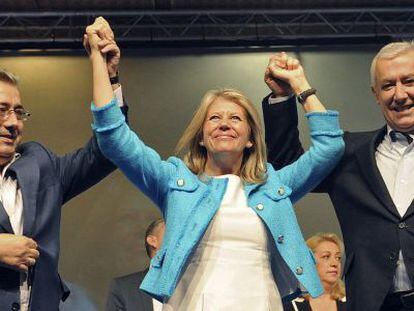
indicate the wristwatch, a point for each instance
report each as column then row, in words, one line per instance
column 305, row 94
column 114, row 80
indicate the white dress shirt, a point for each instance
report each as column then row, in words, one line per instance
column 11, row 198
column 156, row 305
column 395, row 161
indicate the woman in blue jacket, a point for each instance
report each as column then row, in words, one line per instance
column 231, row 239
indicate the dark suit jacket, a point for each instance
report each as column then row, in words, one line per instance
column 124, row 294
column 47, row 181
column 372, row 228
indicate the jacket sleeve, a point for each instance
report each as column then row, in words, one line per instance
column 281, row 132
column 315, row 164
column 115, row 301
column 141, row 164
column 83, row 168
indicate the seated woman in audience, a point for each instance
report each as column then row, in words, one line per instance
column 231, row 241
column 328, row 250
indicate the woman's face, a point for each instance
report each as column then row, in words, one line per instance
column 328, row 262
column 226, row 130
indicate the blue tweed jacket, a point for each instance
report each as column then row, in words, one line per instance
column 188, row 204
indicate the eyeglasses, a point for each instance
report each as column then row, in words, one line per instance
column 20, row 113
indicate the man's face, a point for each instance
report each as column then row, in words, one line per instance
column 394, row 91
column 11, row 129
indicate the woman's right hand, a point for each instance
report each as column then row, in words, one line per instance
column 100, row 42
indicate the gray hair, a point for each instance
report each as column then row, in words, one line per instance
column 390, row 51
column 8, row 77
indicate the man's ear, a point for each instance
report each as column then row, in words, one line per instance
column 374, row 92
column 152, row 241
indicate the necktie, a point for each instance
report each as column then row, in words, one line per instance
column 394, row 138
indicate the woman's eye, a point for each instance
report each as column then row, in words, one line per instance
column 236, row 118
column 213, row 118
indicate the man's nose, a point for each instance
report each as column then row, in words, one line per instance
column 400, row 95
column 10, row 120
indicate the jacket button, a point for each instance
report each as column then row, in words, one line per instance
column 280, row 239
column 260, row 207
column 281, row 191
column 299, row 270
column 402, row 225
column 180, row 182
column 15, row 306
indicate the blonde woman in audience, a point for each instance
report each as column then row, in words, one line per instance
column 328, row 250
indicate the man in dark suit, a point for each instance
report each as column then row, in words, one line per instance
column 372, row 188
column 34, row 184
column 124, row 293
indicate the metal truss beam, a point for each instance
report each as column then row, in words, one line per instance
column 210, row 28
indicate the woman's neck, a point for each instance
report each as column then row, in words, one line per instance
column 323, row 303
column 222, row 164
column 328, row 288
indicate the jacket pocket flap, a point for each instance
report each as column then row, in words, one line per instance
column 278, row 192
column 183, row 184
column 158, row 259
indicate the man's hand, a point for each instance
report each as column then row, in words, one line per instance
column 101, row 36
column 285, row 75
column 278, row 87
column 18, row 251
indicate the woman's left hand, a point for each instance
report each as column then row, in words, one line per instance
column 101, row 37
column 288, row 69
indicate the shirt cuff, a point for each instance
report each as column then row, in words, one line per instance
column 118, row 96
column 280, row 99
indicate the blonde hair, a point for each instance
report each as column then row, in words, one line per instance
column 390, row 51
column 253, row 168
column 338, row 291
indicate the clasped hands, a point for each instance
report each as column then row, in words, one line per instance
column 99, row 38
column 284, row 75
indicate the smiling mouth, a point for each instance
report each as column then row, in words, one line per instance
column 8, row 138
column 402, row 108
column 226, row 137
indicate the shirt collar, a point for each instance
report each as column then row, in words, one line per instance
column 14, row 159
column 396, row 136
